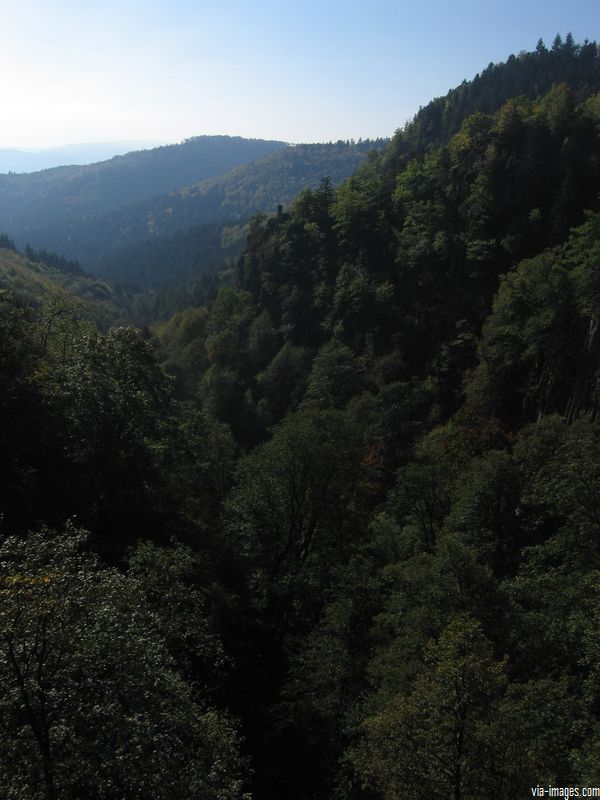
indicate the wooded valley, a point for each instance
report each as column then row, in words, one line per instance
column 326, row 526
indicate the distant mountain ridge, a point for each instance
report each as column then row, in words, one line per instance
column 51, row 196
column 18, row 160
column 236, row 195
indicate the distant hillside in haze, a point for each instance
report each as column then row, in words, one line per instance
column 36, row 159
column 235, row 196
column 53, row 196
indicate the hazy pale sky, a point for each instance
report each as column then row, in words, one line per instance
column 90, row 71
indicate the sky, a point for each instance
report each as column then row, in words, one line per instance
column 303, row 71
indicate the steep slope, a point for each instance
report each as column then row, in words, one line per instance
column 406, row 261
column 419, row 596
column 528, row 74
column 35, row 284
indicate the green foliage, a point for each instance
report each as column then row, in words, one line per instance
column 112, row 401
column 53, row 260
column 530, row 75
column 282, row 384
column 227, row 327
column 262, row 341
column 335, row 377
column 182, row 345
column 295, row 502
column 90, row 704
column 6, row 243
column 36, row 283
column 170, row 578
column 539, row 347
column 434, row 740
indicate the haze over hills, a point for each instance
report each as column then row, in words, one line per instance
column 36, row 159
column 82, row 227
column 68, row 192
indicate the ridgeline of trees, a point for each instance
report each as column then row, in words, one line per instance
column 528, row 75
column 352, row 522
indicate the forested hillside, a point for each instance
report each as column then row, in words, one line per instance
column 168, row 260
column 332, row 534
column 106, row 242
column 527, row 75
column 40, row 278
column 53, row 196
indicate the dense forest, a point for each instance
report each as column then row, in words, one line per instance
column 331, row 531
